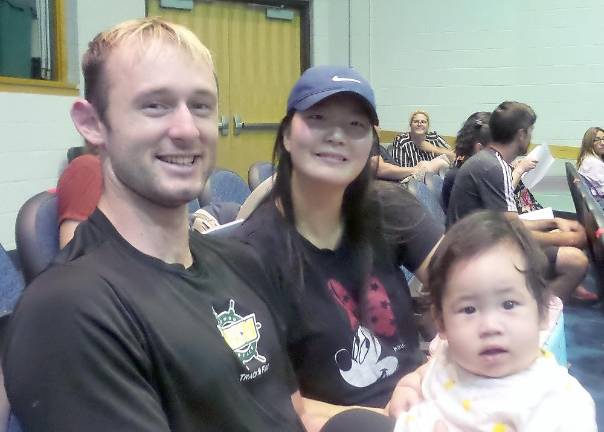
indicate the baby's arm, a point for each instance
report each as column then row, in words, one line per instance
column 408, row 392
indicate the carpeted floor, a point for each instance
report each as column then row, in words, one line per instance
column 585, row 350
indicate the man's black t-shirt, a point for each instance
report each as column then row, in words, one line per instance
column 349, row 345
column 483, row 182
column 111, row 339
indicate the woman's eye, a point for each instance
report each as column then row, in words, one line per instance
column 359, row 124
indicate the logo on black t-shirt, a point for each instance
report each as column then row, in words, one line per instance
column 241, row 333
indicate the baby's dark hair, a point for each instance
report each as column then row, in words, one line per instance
column 476, row 234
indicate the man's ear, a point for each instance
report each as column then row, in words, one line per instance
column 437, row 316
column 87, row 122
column 520, row 135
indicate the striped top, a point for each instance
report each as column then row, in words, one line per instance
column 406, row 153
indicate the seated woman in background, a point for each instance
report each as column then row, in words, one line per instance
column 418, row 144
column 335, row 247
column 590, row 162
column 78, row 192
column 386, row 168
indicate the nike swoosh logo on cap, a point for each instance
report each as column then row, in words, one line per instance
column 337, row 78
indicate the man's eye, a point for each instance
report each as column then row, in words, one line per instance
column 201, row 107
column 509, row 304
column 155, row 107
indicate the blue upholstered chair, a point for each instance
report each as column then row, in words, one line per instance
column 37, row 233
column 224, row 186
column 259, row 172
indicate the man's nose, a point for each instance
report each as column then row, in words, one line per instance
column 183, row 126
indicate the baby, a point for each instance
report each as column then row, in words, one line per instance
column 489, row 301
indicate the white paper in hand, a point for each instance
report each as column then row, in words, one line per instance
column 544, row 160
column 544, row 213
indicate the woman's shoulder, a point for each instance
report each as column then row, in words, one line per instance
column 264, row 228
column 591, row 162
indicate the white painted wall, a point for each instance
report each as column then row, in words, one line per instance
column 454, row 58
column 36, row 129
column 451, row 58
column 329, row 30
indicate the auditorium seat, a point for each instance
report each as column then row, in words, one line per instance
column 37, row 233
column 224, row 186
column 258, row 172
column 591, row 216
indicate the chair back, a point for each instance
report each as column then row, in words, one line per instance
column 74, row 152
column 591, row 216
column 37, row 233
column 259, row 172
column 224, row 186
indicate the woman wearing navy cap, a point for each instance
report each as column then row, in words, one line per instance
column 343, row 302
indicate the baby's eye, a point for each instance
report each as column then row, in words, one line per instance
column 315, row 116
column 468, row 310
column 509, row 304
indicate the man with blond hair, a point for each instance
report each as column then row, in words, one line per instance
column 141, row 324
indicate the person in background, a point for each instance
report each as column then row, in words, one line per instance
column 78, row 193
column 485, row 182
column 336, row 243
column 386, row 168
column 490, row 301
column 590, row 162
column 473, row 136
column 418, row 144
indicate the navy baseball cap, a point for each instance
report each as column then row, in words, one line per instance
column 320, row 82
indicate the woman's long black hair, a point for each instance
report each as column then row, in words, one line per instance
column 361, row 215
column 373, row 212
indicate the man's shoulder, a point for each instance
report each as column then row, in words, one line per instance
column 65, row 290
column 481, row 161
